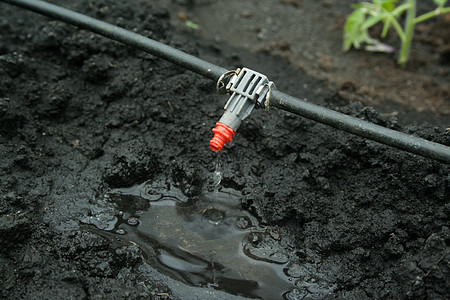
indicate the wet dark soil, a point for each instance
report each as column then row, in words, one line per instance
column 84, row 121
column 309, row 35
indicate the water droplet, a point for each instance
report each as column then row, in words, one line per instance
column 217, row 176
column 253, row 238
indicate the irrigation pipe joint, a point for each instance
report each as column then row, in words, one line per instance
column 249, row 89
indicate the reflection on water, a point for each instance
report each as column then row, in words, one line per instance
column 207, row 241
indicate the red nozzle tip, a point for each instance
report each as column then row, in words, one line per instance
column 222, row 134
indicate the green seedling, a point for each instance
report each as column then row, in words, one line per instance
column 192, row 25
column 366, row 15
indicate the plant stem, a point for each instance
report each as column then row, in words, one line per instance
column 399, row 30
column 409, row 30
column 438, row 11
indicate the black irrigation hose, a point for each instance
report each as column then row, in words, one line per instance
column 278, row 99
column 360, row 127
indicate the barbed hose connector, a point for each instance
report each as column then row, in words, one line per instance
column 249, row 89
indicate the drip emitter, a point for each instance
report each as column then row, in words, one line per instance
column 249, row 89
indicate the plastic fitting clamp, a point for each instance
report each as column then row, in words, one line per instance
column 248, row 89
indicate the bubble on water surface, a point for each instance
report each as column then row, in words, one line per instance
column 133, row 221
column 213, row 215
column 103, row 221
column 120, row 231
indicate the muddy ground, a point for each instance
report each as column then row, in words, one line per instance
column 309, row 35
column 82, row 117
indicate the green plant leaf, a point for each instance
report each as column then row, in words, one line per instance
column 352, row 28
column 370, row 21
column 368, row 14
column 440, row 3
column 388, row 5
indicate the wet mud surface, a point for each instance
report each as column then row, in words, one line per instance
column 309, row 35
column 109, row 190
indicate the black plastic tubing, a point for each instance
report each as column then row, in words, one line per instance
column 360, row 127
column 278, row 99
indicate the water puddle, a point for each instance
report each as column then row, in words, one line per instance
column 204, row 242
